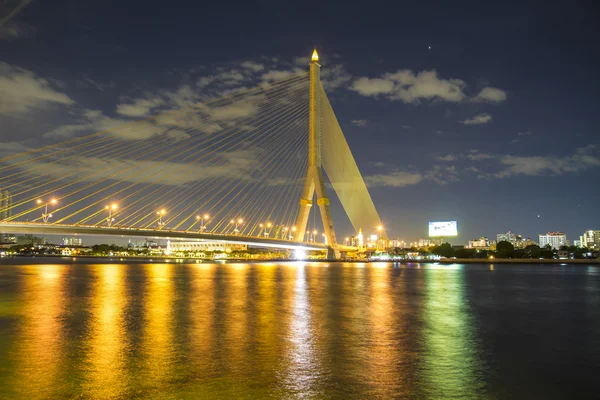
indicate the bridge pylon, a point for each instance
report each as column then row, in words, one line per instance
column 314, row 175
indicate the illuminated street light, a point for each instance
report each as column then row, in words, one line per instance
column 203, row 218
column 293, row 233
column 314, row 237
column 46, row 215
column 236, row 224
column 112, row 208
column 268, row 229
column 160, row 214
column 346, row 240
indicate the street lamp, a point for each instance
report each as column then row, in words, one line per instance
column 285, row 231
column 236, row 223
column 268, row 229
column 314, row 238
column 203, row 218
column 346, row 240
column 160, row 214
column 293, row 233
column 45, row 214
column 111, row 209
column 260, row 231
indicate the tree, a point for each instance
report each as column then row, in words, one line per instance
column 533, row 251
column 505, row 249
column 444, row 250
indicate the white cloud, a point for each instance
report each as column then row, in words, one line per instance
column 478, row 119
column 476, row 156
column 410, row 87
column 539, row 165
column 394, row 179
column 335, row 76
column 22, row 91
column 252, row 66
column 360, row 122
column 447, row 158
column 524, row 134
column 14, row 29
column 491, row 95
column 442, row 175
column 139, row 107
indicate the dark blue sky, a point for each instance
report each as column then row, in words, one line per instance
column 482, row 112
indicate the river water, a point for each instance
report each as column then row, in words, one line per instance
column 299, row 330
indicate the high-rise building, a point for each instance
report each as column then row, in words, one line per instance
column 506, row 237
column 72, row 241
column 554, row 239
column 5, row 211
column 482, row 243
column 590, row 239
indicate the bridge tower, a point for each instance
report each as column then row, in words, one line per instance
column 314, row 175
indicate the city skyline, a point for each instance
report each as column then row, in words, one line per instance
column 504, row 141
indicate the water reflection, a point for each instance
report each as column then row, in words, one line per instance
column 159, row 325
column 450, row 364
column 107, row 339
column 40, row 346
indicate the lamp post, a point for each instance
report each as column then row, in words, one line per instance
column 379, row 237
column 160, row 214
column 111, row 209
column 267, row 232
column 236, row 223
column 346, row 240
column 284, row 232
column 202, row 218
column 45, row 215
column 314, row 237
column 293, row 233
column 260, row 231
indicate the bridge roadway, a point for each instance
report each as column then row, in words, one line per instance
column 121, row 231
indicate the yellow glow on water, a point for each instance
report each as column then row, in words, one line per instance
column 158, row 334
column 202, row 314
column 107, row 337
column 41, row 342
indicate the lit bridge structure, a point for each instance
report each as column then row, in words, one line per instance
column 239, row 168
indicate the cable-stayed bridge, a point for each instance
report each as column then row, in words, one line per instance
column 239, row 168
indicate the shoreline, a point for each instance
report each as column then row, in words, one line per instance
column 179, row 260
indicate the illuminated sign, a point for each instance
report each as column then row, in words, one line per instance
column 443, row 229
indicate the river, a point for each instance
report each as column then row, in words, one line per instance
column 298, row 330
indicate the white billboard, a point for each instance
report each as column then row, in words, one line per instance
column 443, row 229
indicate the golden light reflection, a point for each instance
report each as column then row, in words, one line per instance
column 384, row 350
column 202, row 313
column 237, row 316
column 302, row 375
column 41, row 346
column 107, row 340
column 158, row 337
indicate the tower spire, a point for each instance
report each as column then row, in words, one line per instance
column 314, row 181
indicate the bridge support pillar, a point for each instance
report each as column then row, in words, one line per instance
column 314, row 174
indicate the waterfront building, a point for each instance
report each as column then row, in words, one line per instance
column 480, row 244
column 175, row 247
column 554, row 239
column 429, row 242
column 73, row 241
column 5, row 211
column 590, row 239
column 30, row 240
column 506, row 237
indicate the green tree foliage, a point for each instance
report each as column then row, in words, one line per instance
column 444, row 250
column 505, row 249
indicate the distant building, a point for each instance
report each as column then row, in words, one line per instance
column 429, row 242
column 554, row 239
column 5, row 211
column 506, row 237
column 30, row 240
column 175, row 247
column 480, row 244
column 73, row 241
column 590, row 239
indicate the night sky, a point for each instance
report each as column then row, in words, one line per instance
column 482, row 112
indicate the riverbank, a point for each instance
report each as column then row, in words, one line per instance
column 513, row 261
